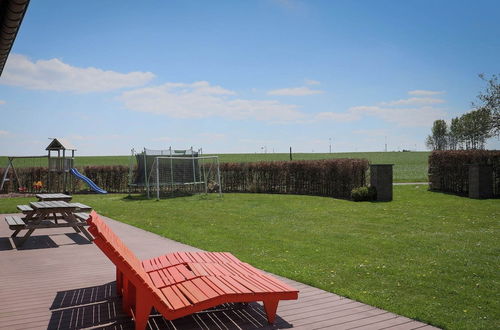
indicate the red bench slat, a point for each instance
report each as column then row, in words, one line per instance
column 205, row 288
column 192, row 291
column 175, row 301
column 157, row 280
column 233, row 284
column 221, row 285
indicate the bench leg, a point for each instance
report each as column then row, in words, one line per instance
column 142, row 311
column 271, row 306
column 26, row 236
column 86, row 233
column 119, row 282
column 14, row 234
column 128, row 295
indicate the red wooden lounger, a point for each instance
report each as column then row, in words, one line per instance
column 182, row 283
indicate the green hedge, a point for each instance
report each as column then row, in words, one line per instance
column 110, row 178
column 332, row 177
column 449, row 170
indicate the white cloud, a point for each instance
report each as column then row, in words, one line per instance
column 312, row 82
column 339, row 117
column 163, row 139
column 410, row 112
column 202, row 100
column 4, row 132
column 55, row 75
column 213, row 136
column 414, row 101
column 295, row 91
column 76, row 137
column 421, row 92
column 259, row 142
column 371, row 132
column 201, row 87
column 2, row 102
column 408, row 117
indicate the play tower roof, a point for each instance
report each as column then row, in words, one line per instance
column 60, row 144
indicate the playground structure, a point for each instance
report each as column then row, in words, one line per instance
column 25, row 173
column 171, row 171
column 60, row 165
column 52, row 176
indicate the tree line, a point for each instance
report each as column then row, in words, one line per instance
column 472, row 129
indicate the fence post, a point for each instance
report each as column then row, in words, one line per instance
column 381, row 179
column 480, row 181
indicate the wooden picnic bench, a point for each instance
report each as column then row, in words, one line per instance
column 53, row 197
column 25, row 208
column 82, row 207
column 183, row 283
column 47, row 215
column 79, row 207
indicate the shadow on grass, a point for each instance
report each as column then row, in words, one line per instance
column 462, row 195
column 99, row 307
column 169, row 195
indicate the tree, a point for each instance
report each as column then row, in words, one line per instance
column 475, row 128
column 490, row 99
column 438, row 139
column 455, row 134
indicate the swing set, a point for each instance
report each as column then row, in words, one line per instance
column 40, row 173
column 23, row 171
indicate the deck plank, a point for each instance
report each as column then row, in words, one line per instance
column 48, row 286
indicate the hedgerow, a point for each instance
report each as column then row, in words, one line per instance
column 449, row 170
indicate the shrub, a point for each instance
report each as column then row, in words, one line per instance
column 364, row 194
column 113, row 178
column 27, row 176
column 449, row 170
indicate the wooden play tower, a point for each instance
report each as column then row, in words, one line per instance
column 61, row 155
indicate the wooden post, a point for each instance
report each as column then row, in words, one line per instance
column 72, row 164
column 381, row 179
column 480, row 181
column 64, row 171
column 48, row 174
column 290, row 153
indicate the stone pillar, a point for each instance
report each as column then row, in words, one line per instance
column 381, row 179
column 480, row 181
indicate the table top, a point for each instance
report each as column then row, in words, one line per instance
column 53, row 197
column 53, row 205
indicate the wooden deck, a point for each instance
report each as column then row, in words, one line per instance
column 58, row 280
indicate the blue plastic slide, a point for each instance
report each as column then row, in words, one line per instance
column 91, row 183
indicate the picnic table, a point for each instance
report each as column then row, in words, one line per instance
column 48, row 215
column 53, row 197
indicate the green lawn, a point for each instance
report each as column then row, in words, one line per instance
column 408, row 166
column 429, row 256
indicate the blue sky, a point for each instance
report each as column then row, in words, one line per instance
column 238, row 76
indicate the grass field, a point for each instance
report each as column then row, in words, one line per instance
column 408, row 166
column 429, row 256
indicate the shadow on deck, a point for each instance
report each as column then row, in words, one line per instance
column 99, row 307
